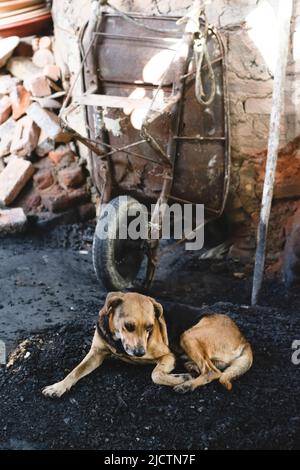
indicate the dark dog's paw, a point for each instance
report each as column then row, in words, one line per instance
column 184, row 388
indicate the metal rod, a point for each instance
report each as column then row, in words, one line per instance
column 125, row 150
column 143, row 17
column 146, row 85
column 137, row 23
column 200, row 138
column 185, row 201
column 284, row 18
column 140, row 39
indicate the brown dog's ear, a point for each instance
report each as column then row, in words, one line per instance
column 159, row 315
column 113, row 299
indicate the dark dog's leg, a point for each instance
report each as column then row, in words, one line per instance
column 93, row 359
column 161, row 374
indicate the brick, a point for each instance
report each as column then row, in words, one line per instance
column 45, row 119
column 45, row 145
column 43, row 179
column 32, row 202
column 25, row 138
column 7, row 47
column 243, row 59
column 12, row 220
column 240, row 88
column 20, row 100
column 71, row 177
column 63, row 152
column 45, row 43
column 43, row 57
column 29, row 199
column 5, row 109
column 35, row 44
column 7, row 83
column 8, row 158
column 38, row 86
column 52, row 72
column 6, row 136
column 22, row 68
column 13, row 179
column 24, row 49
column 58, row 200
column 48, row 102
column 258, row 106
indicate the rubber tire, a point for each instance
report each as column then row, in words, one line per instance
column 104, row 247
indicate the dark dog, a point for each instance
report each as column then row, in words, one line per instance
column 133, row 327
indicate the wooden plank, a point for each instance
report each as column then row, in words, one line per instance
column 105, row 101
column 16, row 4
column 284, row 18
column 26, row 16
column 9, row 14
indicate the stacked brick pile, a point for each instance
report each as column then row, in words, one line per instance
column 40, row 172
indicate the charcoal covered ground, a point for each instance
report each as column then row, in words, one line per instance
column 49, row 297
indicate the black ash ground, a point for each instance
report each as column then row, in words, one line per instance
column 53, row 306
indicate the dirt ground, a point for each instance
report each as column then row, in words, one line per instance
column 50, row 298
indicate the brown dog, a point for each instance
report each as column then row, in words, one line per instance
column 132, row 327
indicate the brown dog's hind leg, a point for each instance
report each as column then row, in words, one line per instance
column 92, row 360
column 192, row 368
column 238, row 367
column 161, row 374
column 196, row 351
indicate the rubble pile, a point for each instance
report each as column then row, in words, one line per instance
column 41, row 173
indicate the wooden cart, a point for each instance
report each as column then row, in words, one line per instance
column 157, row 114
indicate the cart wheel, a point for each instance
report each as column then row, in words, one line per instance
column 118, row 261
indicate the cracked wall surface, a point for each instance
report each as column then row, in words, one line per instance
column 249, row 29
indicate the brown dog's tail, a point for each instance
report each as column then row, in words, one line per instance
column 238, row 367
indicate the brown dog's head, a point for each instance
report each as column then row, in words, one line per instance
column 131, row 318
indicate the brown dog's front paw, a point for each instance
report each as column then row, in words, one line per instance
column 55, row 390
column 184, row 388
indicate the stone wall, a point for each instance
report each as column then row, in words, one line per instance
column 249, row 28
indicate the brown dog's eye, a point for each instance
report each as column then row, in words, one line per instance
column 129, row 327
column 149, row 328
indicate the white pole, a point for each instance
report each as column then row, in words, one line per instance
column 284, row 20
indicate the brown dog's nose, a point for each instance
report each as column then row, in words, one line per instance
column 139, row 352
